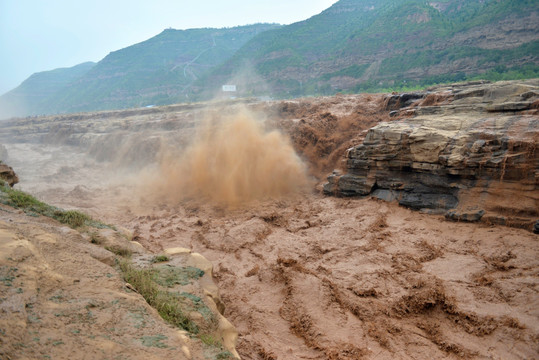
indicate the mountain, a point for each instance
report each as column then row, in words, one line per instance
column 359, row 45
column 32, row 96
column 353, row 46
column 155, row 71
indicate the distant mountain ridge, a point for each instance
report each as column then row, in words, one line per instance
column 353, row 46
column 359, row 45
column 154, row 72
column 39, row 88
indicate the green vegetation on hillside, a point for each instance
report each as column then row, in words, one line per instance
column 33, row 95
column 158, row 71
column 355, row 45
column 364, row 45
column 397, row 65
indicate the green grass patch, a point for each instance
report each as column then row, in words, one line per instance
column 160, row 258
column 33, row 207
column 72, row 218
column 169, row 276
column 22, row 200
column 224, row 355
column 119, row 250
column 154, row 341
column 209, row 339
column 168, row 305
column 216, row 347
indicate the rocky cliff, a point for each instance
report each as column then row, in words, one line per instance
column 468, row 150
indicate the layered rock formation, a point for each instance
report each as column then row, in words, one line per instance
column 470, row 148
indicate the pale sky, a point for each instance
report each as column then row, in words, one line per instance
column 39, row 35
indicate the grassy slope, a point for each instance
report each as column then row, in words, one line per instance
column 33, row 207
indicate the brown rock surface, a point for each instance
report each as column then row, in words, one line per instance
column 466, row 147
column 8, row 174
column 62, row 297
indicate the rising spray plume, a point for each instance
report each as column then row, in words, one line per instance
column 232, row 160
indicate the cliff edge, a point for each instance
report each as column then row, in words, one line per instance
column 467, row 150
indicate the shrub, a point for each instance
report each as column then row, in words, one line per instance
column 160, row 258
column 72, row 218
column 20, row 199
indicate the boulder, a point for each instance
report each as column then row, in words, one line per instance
column 470, row 216
column 8, row 174
column 397, row 101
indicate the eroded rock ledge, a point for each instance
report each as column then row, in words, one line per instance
column 468, row 149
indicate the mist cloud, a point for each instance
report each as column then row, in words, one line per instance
column 232, row 160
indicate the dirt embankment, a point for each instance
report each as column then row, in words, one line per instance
column 61, row 298
column 311, row 277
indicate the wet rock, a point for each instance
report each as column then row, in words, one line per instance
column 348, row 185
column 476, row 150
column 394, row 102
column 351, row 185
column 536, row 227
column 386, row 195
column 470, row 216
column 332, row 187
column 8, row 175
column 418, row 201
column 510, row 106
column 530, row 94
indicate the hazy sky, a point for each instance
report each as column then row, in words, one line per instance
column 38, row 35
